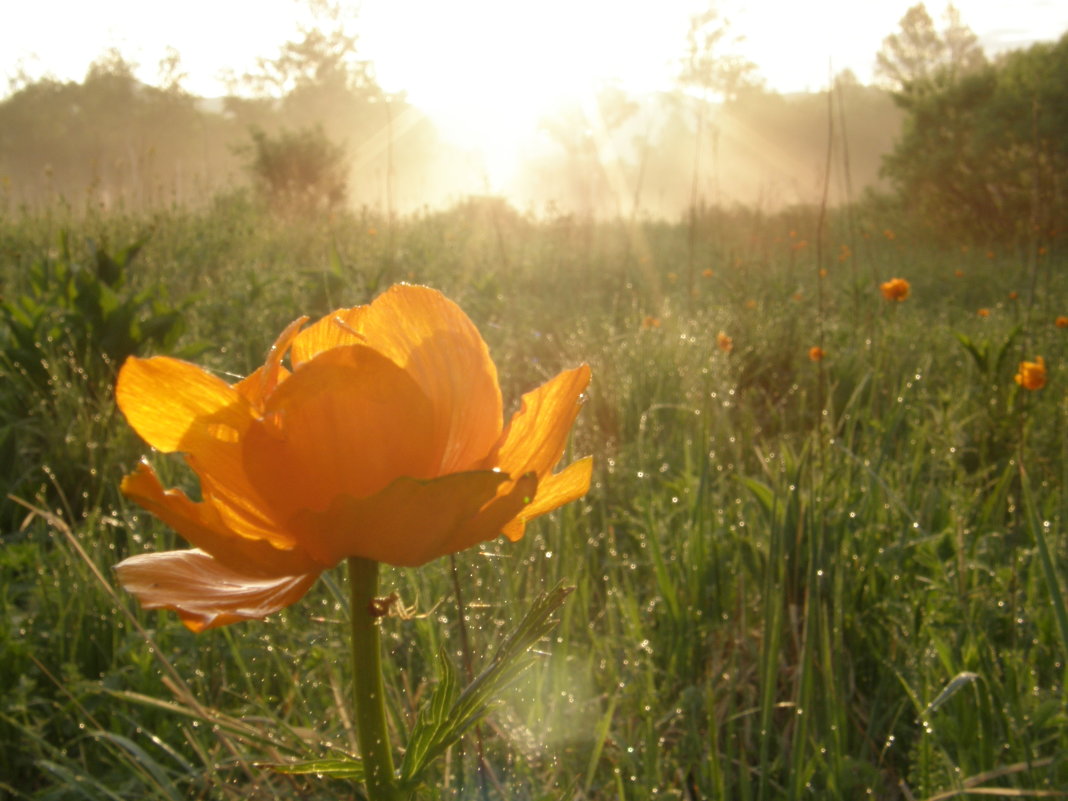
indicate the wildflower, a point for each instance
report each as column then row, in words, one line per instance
column 823, row 272
column 1014, row 295
column 816, row 353
column 1032, row 375
column 385, row 441
column 958, row 273
column 895, row 289
column 724, row 342
column 1061, row 321
column 983, row 312
column 649, row 322
column 750, row 304
column 889, row 234
column 707, row 273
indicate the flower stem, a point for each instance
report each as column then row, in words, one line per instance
column 367, row 690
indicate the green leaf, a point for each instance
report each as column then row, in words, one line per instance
column 435, row 732
column 348, row 768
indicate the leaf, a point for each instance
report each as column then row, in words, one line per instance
column 433, row 732
column 349, row 768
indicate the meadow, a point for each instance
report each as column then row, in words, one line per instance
column 831, row 578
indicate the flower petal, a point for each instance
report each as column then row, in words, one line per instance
column 253, row 550
column 177, row 406
column 536, row 436
column 258, row 386
column 429, row 336
column 407, row 524
column 204, row 592
column 496, row 516
column 348, row 422
column 554, row 491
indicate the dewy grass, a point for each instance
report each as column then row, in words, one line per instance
column 764, row 608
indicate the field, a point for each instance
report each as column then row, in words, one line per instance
column 833, row 578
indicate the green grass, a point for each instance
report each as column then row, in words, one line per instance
column 792, row 580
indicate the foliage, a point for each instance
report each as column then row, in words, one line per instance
column 792, row 579
column 983, row 156
column 66, row 331
column 299, row 172
column 918, row 55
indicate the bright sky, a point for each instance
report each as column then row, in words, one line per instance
column 487, row 68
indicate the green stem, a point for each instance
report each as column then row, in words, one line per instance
column 367, row 690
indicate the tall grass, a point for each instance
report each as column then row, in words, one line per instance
column 793, row 580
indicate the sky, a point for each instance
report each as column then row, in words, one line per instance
column 432, row 48
column 484, row 68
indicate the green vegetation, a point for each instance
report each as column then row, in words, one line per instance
column 793, row 579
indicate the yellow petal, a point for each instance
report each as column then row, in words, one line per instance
column 496, row 516
column 348, row 422
column 176, row 406
column 429, row 336
column 536, row 436
column 406, row 524
column 256, row 387
column 254, row 550
column 203, row 591
column 554, row 491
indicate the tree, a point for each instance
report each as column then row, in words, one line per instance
column 986, row 156
column 299, row 172
column 918, row 55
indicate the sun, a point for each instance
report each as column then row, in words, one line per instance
column 487, row 72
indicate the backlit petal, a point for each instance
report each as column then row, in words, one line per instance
column 495, row 517
column 554, row 491
column 253, row 550
column 203, row 591
column 429, row 336
column 407, row 524
column 177, row 406
column 536, row 436
column 256, row 387
column 349, row 422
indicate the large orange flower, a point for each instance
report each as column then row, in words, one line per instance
column 385, row 441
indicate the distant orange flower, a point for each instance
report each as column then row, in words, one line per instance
column 724, row 342
column 990, row 254
column 958, row 273
column 983, row 312
column 750, row 304
column 384, row 441
column 1014, row 295
column 800, row 245
column 816, row 353
column 896, row 289
column 823, row 272
column 707, row 273
column 844, row 253
column 1032, row 375
column 672, row 277
column 798, row 296
column 650, row 322
column 1061, row 321
column 889, row 234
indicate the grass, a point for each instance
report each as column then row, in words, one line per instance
column 828, row 580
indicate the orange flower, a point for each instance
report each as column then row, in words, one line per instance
column 650, row 322
column 958, row 273
column 895, row 289
column 707, row 273
column 724, row 342
column 1014, row 295
column 983, row 312
column 816, row 353
column 1032, row 375
column 1061, row 321
column 384, row 441
column 750, row 304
